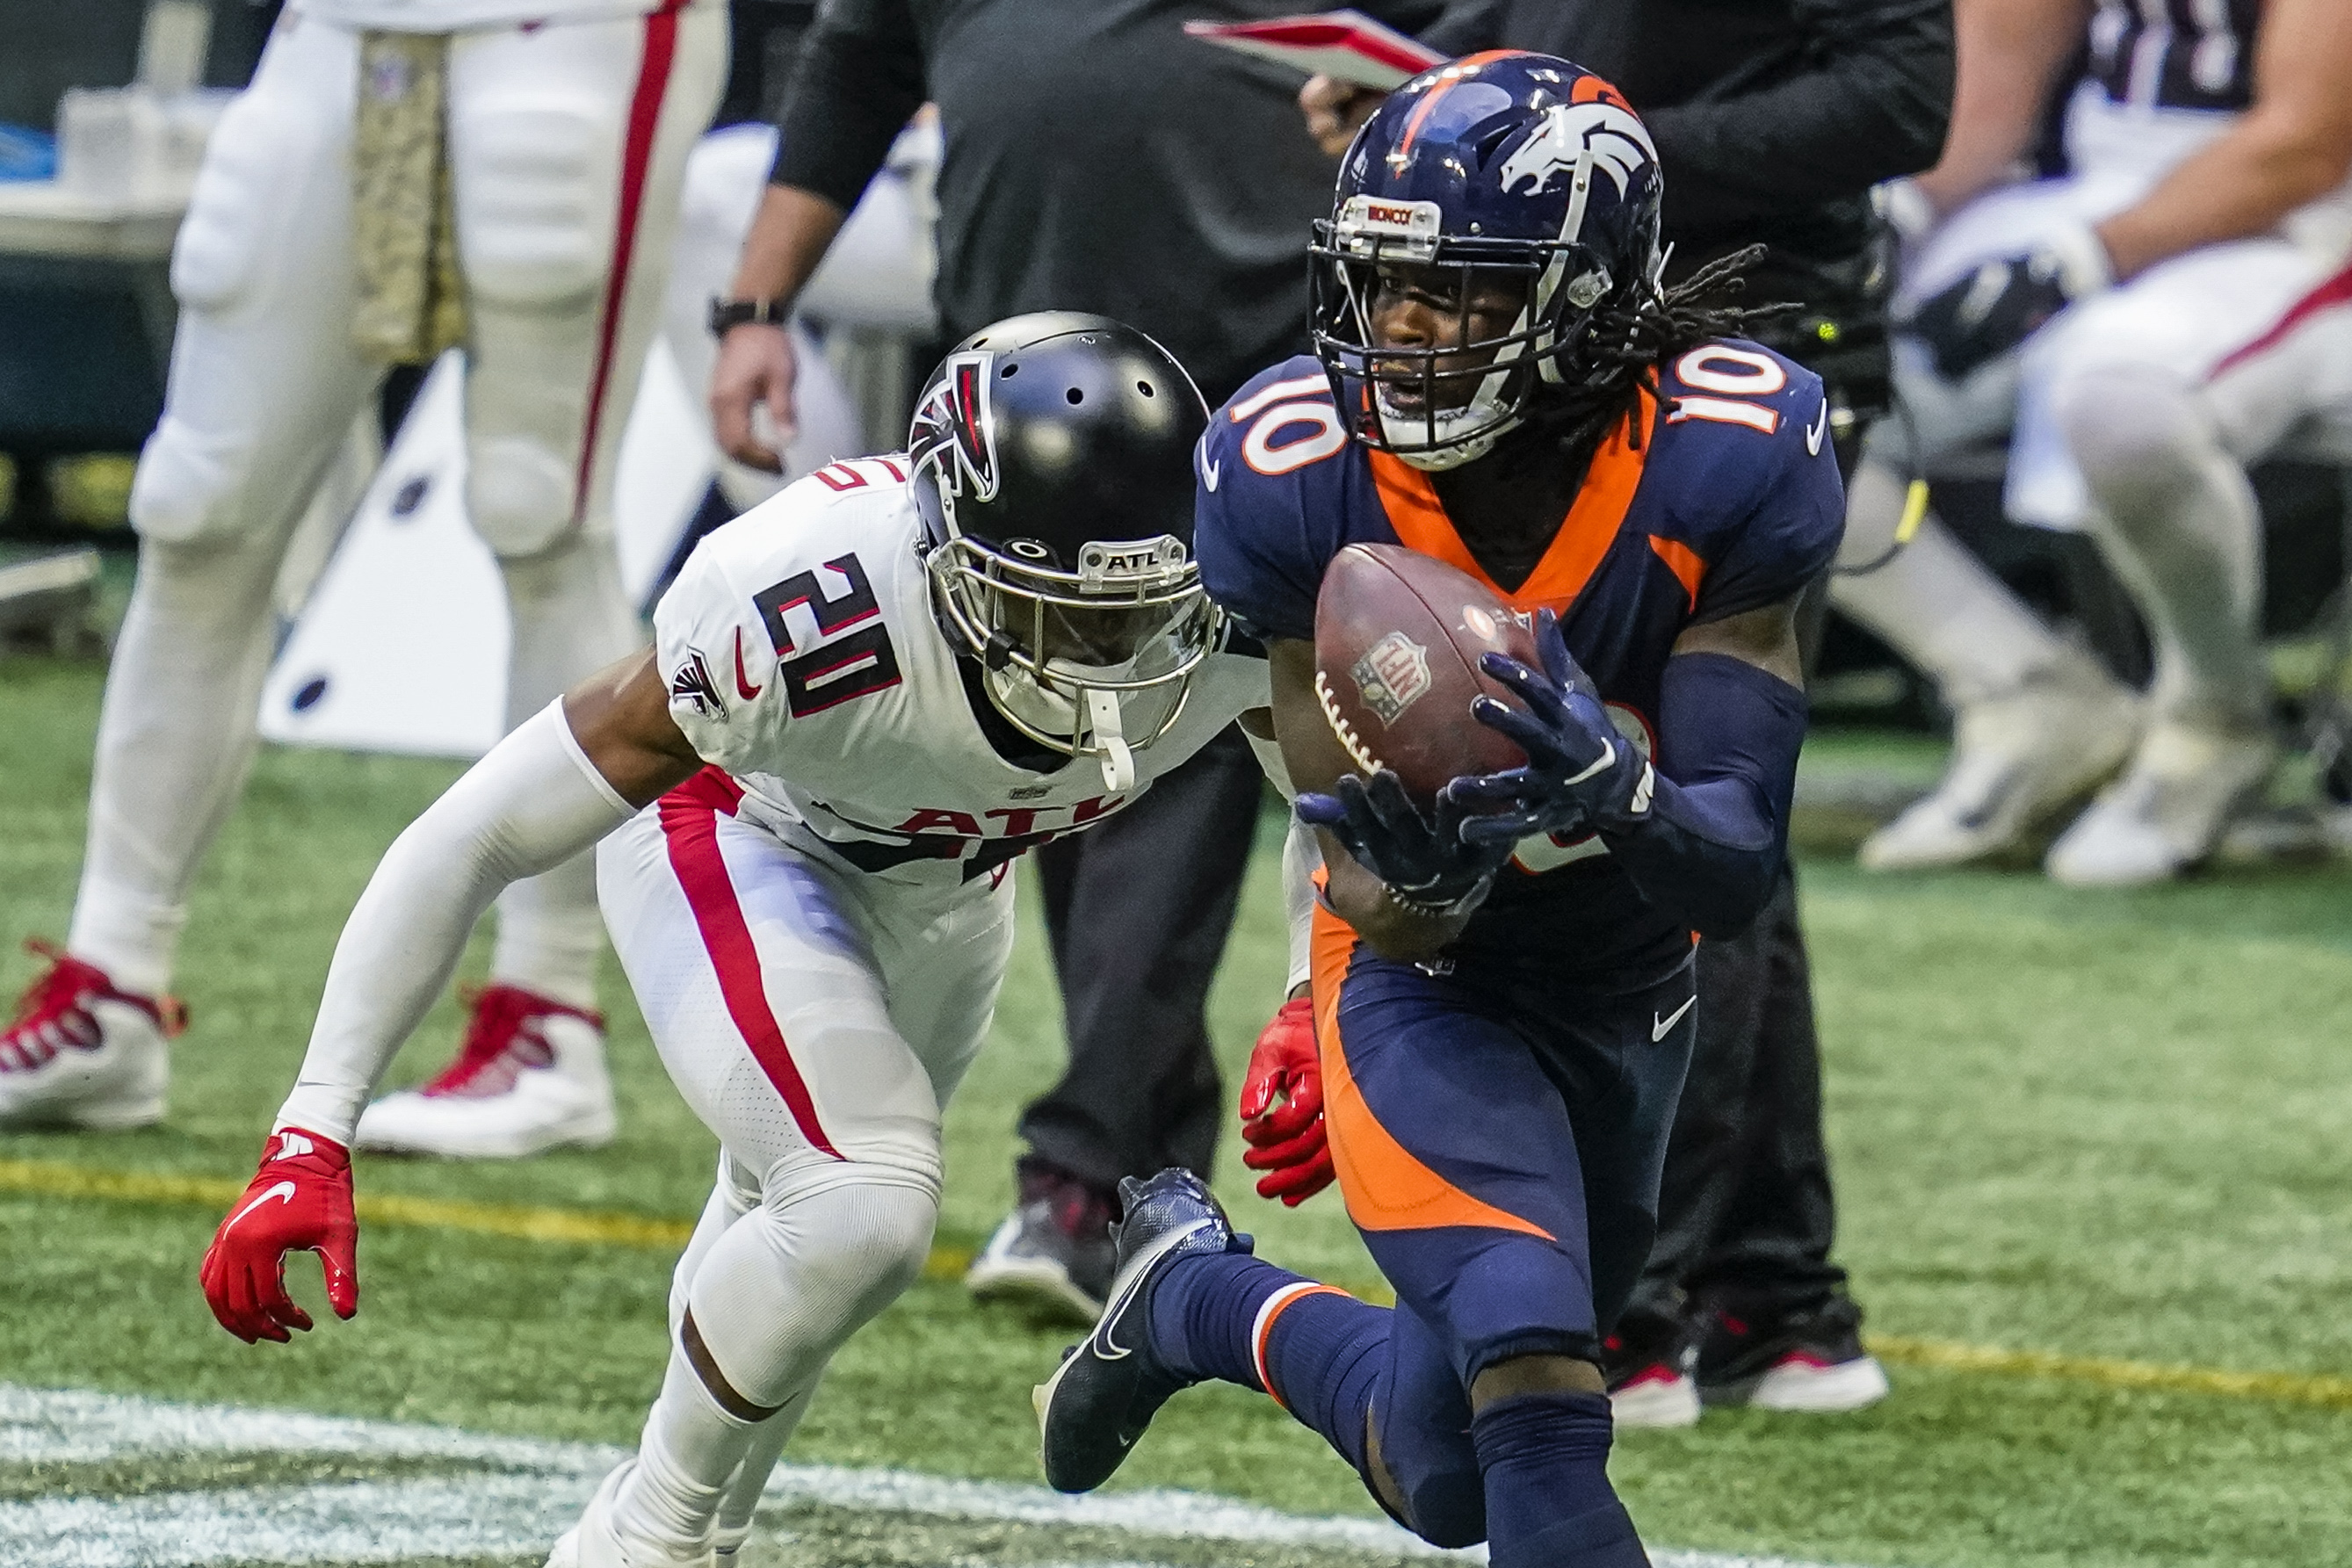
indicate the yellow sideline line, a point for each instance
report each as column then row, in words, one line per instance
column 2280, row 1387
column 587, row 1226
column 523, row 1224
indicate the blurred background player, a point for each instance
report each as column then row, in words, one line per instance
column 1771, row 123
column 1504, row 1000
column 400, row 176
column 952, row 653
column 2206, row 149
column 1044, row 201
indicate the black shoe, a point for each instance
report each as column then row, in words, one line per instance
column 1095, row 1406
column 1053, row 1250
column 1811, row 1361
column 1646, row 1366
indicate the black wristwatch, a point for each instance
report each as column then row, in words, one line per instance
column 730, row 313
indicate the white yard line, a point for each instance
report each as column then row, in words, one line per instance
column 532, row 1493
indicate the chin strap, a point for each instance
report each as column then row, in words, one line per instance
column 1106, row 725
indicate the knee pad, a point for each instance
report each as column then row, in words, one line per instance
column 190, row 488
column 535, row 198
column 2132, row 427
column 797, row 1276
column 520, row 494
column 1518, row 1295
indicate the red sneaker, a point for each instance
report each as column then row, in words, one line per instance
column 530, row 1077
column 83, row 1052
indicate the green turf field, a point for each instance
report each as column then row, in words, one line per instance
column 2091, row 1153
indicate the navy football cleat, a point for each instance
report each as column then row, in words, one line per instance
column 1108, row 1388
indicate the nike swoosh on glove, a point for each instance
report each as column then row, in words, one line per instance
column 1581, row 773
column 299, row 1201
column 1282, row 1108
column 1426, row 859
column 2003, row 302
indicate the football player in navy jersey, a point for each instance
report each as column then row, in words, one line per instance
column 1502, row 990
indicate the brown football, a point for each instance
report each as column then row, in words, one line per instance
column 1397, row 640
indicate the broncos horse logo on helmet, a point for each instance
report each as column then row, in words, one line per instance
column 1500, row 165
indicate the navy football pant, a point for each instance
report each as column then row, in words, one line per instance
column 1498, row 1135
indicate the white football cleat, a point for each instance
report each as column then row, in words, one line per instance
column 2018, row 759
column 597, row 1541
column 2185, row 785
column 84, row 1053
column 1818, row 1385
column 1658, row 1394
column 530, row 1076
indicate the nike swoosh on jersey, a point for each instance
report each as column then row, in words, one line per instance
column 283, row 1192
column 1210, row 473
column 1815, row 431
column 1659, row 1027
column 743, row 687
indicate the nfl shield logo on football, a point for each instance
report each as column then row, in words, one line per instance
column 1391, row 675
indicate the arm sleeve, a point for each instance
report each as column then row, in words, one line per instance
column 1302, row 857
column 857, row 80
column 1708, row 849
column 532, row 803
column 1870, row 102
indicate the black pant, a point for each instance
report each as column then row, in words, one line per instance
column 1745, row 1214
column 1137, row 910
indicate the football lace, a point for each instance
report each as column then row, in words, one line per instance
column 1361, row 754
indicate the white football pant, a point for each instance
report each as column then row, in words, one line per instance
column 2094, row 404
column 566, row 143
column 816, row 1020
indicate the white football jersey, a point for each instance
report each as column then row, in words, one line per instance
column 463, row 16
column 802, row 657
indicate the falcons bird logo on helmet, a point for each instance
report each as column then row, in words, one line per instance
column 953, row 433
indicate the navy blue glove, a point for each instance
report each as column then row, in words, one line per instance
column 1426, row 863
column 1580, row 775
column 2001, row 303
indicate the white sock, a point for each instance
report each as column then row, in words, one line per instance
column 2180, row 524
column 174, row 740
column 1933, row 601
column 550, row 934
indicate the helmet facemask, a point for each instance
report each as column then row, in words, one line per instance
column 1437, row 406
column 1095, row 662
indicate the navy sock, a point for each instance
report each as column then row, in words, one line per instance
column 1545, row 1461
column 1324, row 1349
column 1202, row 1309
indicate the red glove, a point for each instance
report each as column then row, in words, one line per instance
column 1285, row 1139
column 299, row 1201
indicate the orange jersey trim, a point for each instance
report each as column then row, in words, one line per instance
column 1682, row 561
column 1410, row 498
column 1384, row 1186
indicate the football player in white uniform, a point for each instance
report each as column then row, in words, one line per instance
column 2208, row 153
column 867, row 697
column 539, row 146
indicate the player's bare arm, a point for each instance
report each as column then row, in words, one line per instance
column 2293, row 145
column 789, row 237
column 1766, row 638
column 2008, row 53
column 620, row 716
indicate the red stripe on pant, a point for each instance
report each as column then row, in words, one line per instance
column 2334, row 291
column 689, row 819
column 636, row 155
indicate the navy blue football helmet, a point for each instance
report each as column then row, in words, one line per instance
column 1502, row 166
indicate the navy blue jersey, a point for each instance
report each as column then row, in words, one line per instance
column 1729, row 502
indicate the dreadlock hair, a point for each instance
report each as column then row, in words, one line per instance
column 1627, row 337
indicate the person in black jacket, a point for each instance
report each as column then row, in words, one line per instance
column 1772, row 119
column 1095, row 160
